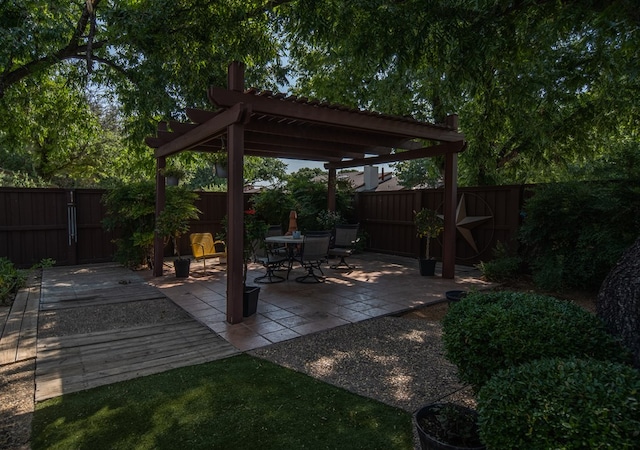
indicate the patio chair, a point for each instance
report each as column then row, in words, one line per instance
column 315, row 252
column 346, row 237
column 272, row 261
column 204, row 247
column 276, row 230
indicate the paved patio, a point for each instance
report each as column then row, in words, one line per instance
column 380, row 285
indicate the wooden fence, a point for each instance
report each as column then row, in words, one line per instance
column 485, row 215
column 65, row 225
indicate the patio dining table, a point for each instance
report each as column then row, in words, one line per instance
column 289, row 240
column 291, row 244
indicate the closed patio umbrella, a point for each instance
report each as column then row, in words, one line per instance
column 293, row 223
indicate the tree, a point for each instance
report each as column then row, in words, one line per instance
column 541, row 88
column 618, row 302
column 155, row 56
column 53, row 133
column 256, row 170
column 538, row 86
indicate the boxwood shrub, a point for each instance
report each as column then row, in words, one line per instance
column 489, row 331
column 561, row 404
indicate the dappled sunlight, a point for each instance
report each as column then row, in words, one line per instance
column 414, row 336
column 398, row 361
column 340, row 281
column 325, row 365
column 400, row 383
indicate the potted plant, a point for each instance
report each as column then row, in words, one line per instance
column 428, row 225
column 447, row 426
column 220, row 164
column 173, row 222
column 173, row 175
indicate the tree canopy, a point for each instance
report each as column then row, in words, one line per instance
column 538, row 86
column 543, row 90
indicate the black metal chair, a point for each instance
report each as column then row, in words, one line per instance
column 272, row 261
column 346, row 237
column 276, row 230
column 315, row 252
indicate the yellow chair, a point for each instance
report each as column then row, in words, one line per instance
column 204, row 247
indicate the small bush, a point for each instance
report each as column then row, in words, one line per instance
column 489, row 331
column 561, row 404
column 503, row 267
column 11, row 279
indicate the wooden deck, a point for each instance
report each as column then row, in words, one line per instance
column 83, row 360
column 18, row 332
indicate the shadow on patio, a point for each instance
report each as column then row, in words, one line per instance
column 380, row 285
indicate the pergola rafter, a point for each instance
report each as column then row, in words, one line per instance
column 276, row 125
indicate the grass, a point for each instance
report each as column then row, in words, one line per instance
column 236, row 403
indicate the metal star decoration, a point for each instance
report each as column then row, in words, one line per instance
column 465, row 223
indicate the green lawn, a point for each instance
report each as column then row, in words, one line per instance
column 235, row 403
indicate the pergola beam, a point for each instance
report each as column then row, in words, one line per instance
column 203, row 132
column 333, row 116
column 425, row 152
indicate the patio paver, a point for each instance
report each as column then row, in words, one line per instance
column 380, row 285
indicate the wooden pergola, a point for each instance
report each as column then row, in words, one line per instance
column 248, row 122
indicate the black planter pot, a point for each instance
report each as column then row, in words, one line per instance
column 459, row 433
column 250, row 300
column 455, row 296
column 434, row 435
column 182, row 267
column 427, row 267
column 221, row 171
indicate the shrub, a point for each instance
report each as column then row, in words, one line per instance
column 575, row 232
column 131, row 212
column 11, row 279
column 503, row 267
column 563, row 404
column 489, row 331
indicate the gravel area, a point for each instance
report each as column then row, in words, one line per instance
column 396, row 360
column 17, row 386
column 89, row 319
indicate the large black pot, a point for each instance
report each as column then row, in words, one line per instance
column 182, row 267
column 447, row 426
column 427, row 267
column 455, row 296
column 250, row 300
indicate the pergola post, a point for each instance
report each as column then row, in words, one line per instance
column 450, row 198
column 158, row 242
column 331, row 194
column 235, row 206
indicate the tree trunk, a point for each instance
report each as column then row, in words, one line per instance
column 618, row 303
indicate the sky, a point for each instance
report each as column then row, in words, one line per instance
column 294, row 165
